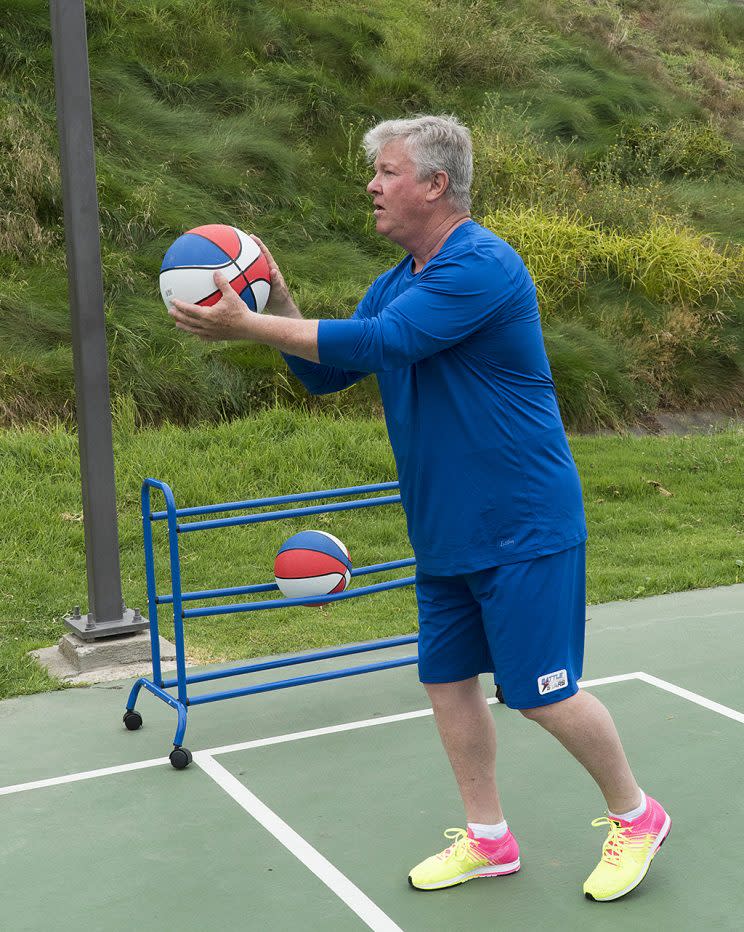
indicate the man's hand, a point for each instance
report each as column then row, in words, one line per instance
column 228, row 319
column 280, row 301
column 231, row 319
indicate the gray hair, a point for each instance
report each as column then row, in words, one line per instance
column 434, row 143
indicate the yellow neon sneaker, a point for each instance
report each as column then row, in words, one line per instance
column 466, row 858
column 627, row 852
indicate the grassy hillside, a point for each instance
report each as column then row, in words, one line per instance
column 609, row 149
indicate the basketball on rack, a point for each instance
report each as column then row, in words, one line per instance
column 187, row 272
column 312, row 563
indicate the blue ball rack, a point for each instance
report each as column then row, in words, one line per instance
column 180, row 756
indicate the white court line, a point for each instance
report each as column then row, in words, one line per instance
column 331, row 729
column 692, row 697
column 338, row 883
column 318, row 732
column 85, row 775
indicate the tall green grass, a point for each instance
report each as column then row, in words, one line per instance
column 593, row 156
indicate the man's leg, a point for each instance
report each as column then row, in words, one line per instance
column 468, row 734
column 639, row 825
column 453, row 648
column 586, row 729
column 487, row 848
column 534, row 614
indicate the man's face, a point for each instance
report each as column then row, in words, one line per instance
column 400, row 202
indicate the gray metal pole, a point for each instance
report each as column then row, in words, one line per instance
column 107, row 613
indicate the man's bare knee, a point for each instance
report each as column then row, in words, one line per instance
column 544, row 713
column 452, row 690
column 457, row 697
column 534, row 715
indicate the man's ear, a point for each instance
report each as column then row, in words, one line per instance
column 438, row 184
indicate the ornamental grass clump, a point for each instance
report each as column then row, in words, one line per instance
column 685, row 148
column 667, row 263
column 560, row 251
column 30, row 188
column 482, row 43
column 672, row 264
column 593, row 375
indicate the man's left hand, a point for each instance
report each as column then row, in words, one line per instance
column 228, row 319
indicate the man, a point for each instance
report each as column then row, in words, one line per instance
column 490, row 490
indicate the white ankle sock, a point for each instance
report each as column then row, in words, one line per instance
column 494, row 832
column 633, row 814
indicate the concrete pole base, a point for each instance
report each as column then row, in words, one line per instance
column 115, row 658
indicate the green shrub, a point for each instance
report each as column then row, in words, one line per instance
column 514, row 167
column 667, row 263
column 673, row 264
column 686, row 356
column 684, row 148
column 559, row 251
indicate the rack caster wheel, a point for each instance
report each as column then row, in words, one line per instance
column 180, row 758
column 499, row 694
column 132, row 719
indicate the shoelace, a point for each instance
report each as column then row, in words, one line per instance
column 460, row 843
column 617, row 840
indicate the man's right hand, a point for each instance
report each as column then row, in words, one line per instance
column 280, row 301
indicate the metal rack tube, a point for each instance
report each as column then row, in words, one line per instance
column 187, row 526
column 288, row 603
column 302, row 680
column 152, row 600
column 292, row 661
column 277, row 500
column 175, row 569
column 179, row 706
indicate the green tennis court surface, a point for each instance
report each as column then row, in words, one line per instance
column 305, row 808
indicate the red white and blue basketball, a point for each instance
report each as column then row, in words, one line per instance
column 187, row 272
column 312, row 563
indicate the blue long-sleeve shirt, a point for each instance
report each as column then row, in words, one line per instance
column 486, row 474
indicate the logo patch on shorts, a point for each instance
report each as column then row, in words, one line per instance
column 549, row 682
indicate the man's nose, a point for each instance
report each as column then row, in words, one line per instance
column 374, row 185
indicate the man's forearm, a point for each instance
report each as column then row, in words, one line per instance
column 292, row 335
column 289, row 310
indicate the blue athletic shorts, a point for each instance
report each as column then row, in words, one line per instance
column 523, row 622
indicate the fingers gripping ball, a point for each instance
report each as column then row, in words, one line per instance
column 312, row 563
column 187, row 272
